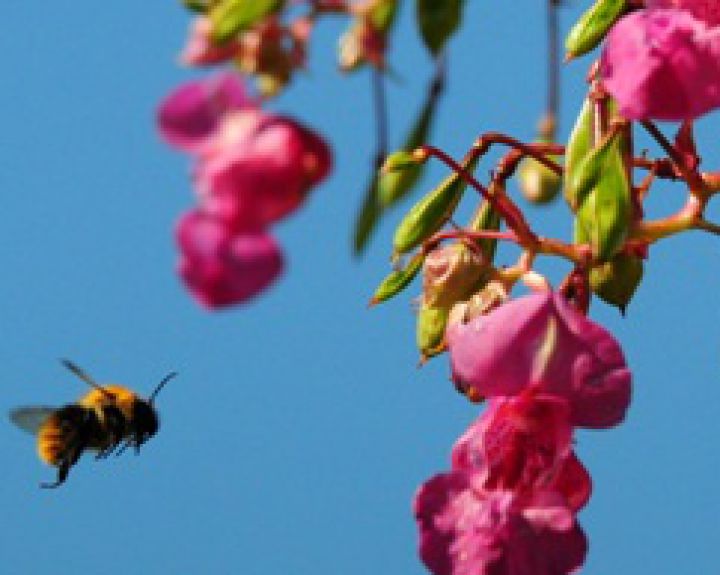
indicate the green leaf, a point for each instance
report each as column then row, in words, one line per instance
column 615, row 281
column 431, row 213
column 398, row 280
column 438, row 20
column 367, row 217
column 233, row 16
column 592, row 27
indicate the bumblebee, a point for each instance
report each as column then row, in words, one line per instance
column 108, row 419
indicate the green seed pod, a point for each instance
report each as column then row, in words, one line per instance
column 486, row 219
column 592, row 27
column 578, row 146
column 392, row 187
column 615, row 281
column 430, row 334
column 400, row 161
column 431, row 212
column 604, row 215
column 398, row 280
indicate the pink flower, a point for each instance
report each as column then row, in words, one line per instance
column 222, row 266
column 466, row 531
column 523, row 444
column 259, row 169
column 200, row 49
column 706, row 10
column 664, row 63
column 541, row 341
column 189, row 116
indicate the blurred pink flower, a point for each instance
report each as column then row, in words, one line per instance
column 222, row 266
column 706, row 10
column 541, row 341
column 664, row 63
column 200, row 50
column 523, row 444
column 259, row 169
column 466, row 531
column 190, row 115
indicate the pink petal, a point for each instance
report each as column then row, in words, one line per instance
column 189, row 116
column 221, row 266
column 662, row 64
column 498, row 354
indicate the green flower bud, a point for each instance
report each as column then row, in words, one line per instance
column 397, row 280
column 603, row 218
column 430, row 334
column 578, row 146
column 615, row 281
column 538, row 183
column 592, row 27
column 431, row 213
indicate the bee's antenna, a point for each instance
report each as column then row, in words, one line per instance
column 160, row 385
column 85, row 377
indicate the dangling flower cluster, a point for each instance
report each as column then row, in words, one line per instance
column 508, row 504
column 251, row 170
column 663, row 62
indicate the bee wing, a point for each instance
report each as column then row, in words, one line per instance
column 30, row 419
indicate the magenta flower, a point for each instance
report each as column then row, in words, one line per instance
column 466, row 531
column 706, row 10
column 540, row 341
column 523, row 444
column 222, row 266
column 664, row 63
column 189, row 116
column 259, row 169
column 201, row 50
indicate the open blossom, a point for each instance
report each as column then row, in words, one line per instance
column 541, row 341
column 524, row 444
column 664, row 63
column 260, row 168
column 222, row 266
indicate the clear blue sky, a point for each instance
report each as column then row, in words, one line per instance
column 299, row 427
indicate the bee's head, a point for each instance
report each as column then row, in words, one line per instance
column 145, row 421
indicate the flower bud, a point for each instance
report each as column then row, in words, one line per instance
column 397, row 280
column 431, row 212
column 538, row 183
column 615, row 281
column 430, row 330
column 592, row 27
column 451, row 273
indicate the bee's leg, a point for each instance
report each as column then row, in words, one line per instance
column 63, row 470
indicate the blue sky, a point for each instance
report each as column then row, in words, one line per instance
column 299, row 427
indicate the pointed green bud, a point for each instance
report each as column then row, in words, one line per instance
column 431, row 212
column 578, row 146
column 486, row 219
column 438, row 20
column 615, row 281
column 382, row 15
column 393, row 187
column 400, row 160
column 590, row 169
column 592, row 27
column 231, row 17
column 430, row 332
column 397, row 280
column 603, row 219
